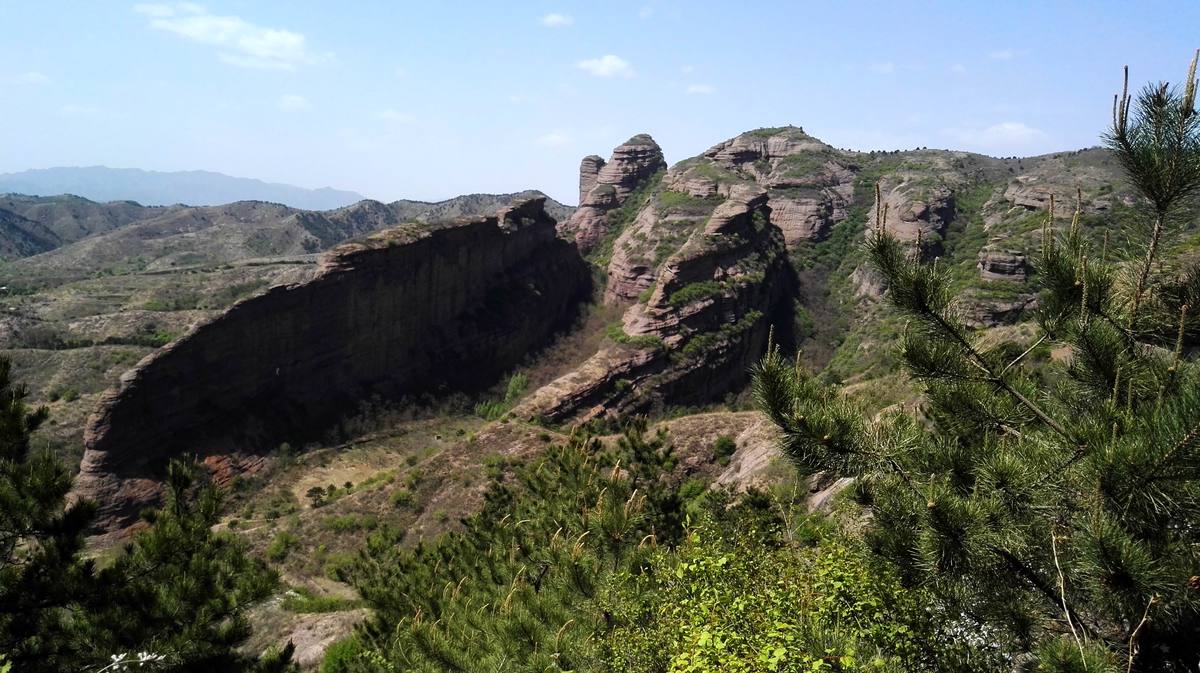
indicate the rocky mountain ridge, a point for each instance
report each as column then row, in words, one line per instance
column 87, row 236
column 409, row 310
column 702, row 260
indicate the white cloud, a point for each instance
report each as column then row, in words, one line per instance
column 292, row 102
column 238, row 41
column 395, row 116
column 958, row 69
column 687, row 69
column 646, row 12
column 32, row 77
column 607, row 66
column 557, row 20
column 701, row 89
column 400, row 72
column 886, row 68
column 554, row 139
column 1002, row 55
column 1004, row 138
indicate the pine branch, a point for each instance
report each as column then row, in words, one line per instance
column 1043, row 587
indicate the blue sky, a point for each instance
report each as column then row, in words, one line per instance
column 428, row 100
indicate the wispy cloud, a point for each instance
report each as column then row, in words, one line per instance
column 394, row 116
column 687, row 69
column 958, row 69
column 32, row 77
column 554, row 139
column 701, row 89
column 238, row 42
column 646, row 12
column 885, row 68
column 400, row 72
column 557, row 20
column 607, row 66
column 1002, row 55
column 290, row 102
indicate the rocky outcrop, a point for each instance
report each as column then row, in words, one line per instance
column 633, row 163
column 705, row 322
column 589, row 173
column 804, row 219
column 413, row 309
column 981, row 312
column 995, row 264
column 810, row 184
column 918, row 215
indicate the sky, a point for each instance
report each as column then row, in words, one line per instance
column 433, row 99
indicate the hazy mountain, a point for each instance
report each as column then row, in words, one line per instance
column 81, row 236
column 194, row 188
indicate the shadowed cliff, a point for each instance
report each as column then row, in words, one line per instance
column 412, row 309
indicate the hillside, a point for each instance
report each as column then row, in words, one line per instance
column 697, row 264
column 158, row 188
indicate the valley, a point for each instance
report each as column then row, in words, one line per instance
column 364, row 378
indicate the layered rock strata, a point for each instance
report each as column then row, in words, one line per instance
column 413, row 309
column 608, row 186
column 696, row 335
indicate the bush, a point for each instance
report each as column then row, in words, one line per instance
column 724, row 447
column 401, row 497
column 281, row 545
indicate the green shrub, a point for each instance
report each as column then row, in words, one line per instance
column 302, row 601
column 401, row 497
column 281, row 545
column 341, row 655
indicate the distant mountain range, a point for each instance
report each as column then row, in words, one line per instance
column 71, row 233
column 156, row 188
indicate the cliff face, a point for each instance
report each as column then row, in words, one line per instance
column 413, row 309
column 705, row 321
column 604, row 187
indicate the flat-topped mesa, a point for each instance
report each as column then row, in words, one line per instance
column 604, row 187
column 408, row 310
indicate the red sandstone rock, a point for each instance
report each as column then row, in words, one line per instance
column 632, row 163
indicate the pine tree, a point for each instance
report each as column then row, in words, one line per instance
column 182, row 590
column 1055, row 506
column 178, row 590
column 41, row 575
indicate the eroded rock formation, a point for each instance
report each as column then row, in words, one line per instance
column 705, row 321
column 413, row 309
column 997, row 264
column 608, row 185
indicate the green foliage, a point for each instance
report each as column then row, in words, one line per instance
column 621, row 218
column 616, row 332
column 348, row 523
column 724, row 448
column 177, row 589
column 494, row 409
column 301, row 600
column 519, row 586
column 1037, row 498
column 282, row 545
column 740, row 599
column 694, row 292
column 677, row 202
column 701, row 343
column 182, row 590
